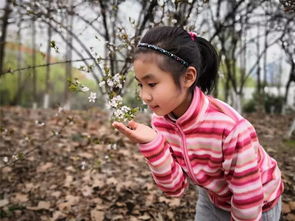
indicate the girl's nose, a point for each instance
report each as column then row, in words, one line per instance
column 146, row 97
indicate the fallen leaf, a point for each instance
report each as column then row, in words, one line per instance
column 43, row 205
column 290, row 217
column 286, row 208
column 56, row 194
column 44, row 167
column 3, row 202
column 86, row 191
column 57, row 215
column 97, row 215
column 85, row 155
column 145, row 216
column 20, row 198
column 68, row 180
column 112, row 180
column 292, row 205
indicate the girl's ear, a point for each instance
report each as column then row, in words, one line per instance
column 190, row 76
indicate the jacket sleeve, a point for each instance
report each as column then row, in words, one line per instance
column 167, row 173
column 242, row 172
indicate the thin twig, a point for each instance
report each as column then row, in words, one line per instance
column 54, row 63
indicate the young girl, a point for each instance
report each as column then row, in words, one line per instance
column 195, row 136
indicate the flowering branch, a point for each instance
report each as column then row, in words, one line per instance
column 111, row 85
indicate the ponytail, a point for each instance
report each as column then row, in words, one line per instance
column 207, row 73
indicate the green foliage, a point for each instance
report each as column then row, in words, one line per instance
column 250, row 82
column 272, row 104
column 249, row 106
column 57, row 83
column 290, row 143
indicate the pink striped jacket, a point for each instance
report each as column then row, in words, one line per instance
column 218, row 150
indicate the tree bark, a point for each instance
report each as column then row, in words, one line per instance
column 7, row 11
column 34, row 63
column 46, row 99
column 68, row 75
column 19, row 63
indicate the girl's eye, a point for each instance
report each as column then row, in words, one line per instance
column 139, row 85
column 152, row 84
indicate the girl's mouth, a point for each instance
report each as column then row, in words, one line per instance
column 154, row 107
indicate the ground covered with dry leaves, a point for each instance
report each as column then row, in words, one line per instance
column 74, row 166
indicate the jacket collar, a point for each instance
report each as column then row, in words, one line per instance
column 196, row 111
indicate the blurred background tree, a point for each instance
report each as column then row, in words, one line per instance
column 43, row 44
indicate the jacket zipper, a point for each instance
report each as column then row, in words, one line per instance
column 186, row 158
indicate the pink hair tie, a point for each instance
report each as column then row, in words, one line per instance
column 193, row 35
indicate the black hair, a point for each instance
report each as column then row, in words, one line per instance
column 199, row 53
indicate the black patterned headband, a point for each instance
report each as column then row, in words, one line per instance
column 163, row 51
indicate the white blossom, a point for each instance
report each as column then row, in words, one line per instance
column 161, row 2
column 120, row 113
column 102, row 83
column 92, row 97
column 60, row 109
column 23, row 142
column 174, row 21
column 110, row 83
column 56, row 133
column 14, row 156
column 5, row 159
column 125, row 109
column 117, row 78
column 39, row 123
column 84, row 89
column 120, row 86
column 109, row 146
column 115, row 101
column 83, row 165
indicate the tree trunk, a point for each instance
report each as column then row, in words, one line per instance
column 7, row 11
column 46, row 99
column 290, row 80
column 264, row 84
column 69, row 18
column 260, row 107
column 19, row 63
column 236, row 100
column 34, row 63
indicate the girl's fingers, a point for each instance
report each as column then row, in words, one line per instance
column 132, row 124
column 122, row 128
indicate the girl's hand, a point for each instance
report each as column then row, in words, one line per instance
column 136, row 132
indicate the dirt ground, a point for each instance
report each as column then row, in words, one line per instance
column 74, row 166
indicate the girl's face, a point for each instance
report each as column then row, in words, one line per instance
column 158, row 89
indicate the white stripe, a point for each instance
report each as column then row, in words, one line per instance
column 174, row 180
column 166, row 155
column 199, row 152
column 215, row 116
column 204, row 140
column 246, row 187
